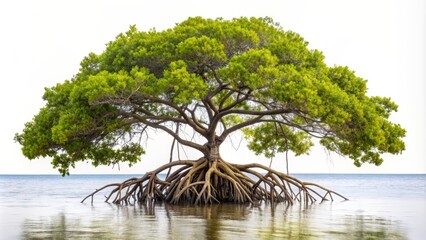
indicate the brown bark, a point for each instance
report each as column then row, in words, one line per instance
column 212, row 180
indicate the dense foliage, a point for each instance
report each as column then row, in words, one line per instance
column 214, row 77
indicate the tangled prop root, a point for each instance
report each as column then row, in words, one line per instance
column 204, row 182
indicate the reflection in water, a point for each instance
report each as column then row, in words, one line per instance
column 223, row 221
column 64, row 227
column 370, row 227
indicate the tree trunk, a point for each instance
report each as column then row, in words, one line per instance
column 213, row 153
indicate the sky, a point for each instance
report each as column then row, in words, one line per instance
column 42, row 43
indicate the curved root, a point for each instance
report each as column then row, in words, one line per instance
column 204, row 182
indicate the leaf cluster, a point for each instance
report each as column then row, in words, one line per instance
column 216, row 77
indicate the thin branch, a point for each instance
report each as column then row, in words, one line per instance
column 172, row 149
column 252, row 121
column 194, row 145
column 180, row 111
column 229, row 94
column 240, row 126
column 238, row 100
column 194, row 117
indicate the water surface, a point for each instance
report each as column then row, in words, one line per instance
column 48, row 207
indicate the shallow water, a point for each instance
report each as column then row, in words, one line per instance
column 48, row 207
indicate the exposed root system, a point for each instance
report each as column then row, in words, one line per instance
column 205, row 182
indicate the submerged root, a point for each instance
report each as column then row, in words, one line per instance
column 204, row 182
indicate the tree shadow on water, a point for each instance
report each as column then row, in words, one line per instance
column 310, row 224
column 224, row 221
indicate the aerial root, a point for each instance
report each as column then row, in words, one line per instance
column 204, row 182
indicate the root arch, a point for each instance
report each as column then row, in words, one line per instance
column 206, row 182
